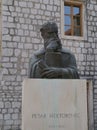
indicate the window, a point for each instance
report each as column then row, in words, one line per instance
column 73, row 19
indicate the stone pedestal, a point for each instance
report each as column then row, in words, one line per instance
column 54, row 104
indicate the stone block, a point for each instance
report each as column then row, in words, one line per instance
column 23, row 4
column 49, row 7
column 54, row 104
column 7, row 38
column 7, row 2
column 1, row 116
column 16, row 104
column 1, row 104
column 14, row 116
column 7, row 116
column 45, row 1
column 37, row 6
column 7, row 52
column 43, row 6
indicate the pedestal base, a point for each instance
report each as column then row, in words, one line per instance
column 54, row 104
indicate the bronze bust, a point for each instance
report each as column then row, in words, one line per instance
column 52, row 61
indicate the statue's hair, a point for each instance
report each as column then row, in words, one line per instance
column 49, row 27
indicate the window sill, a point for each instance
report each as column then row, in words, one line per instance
column 78, row 38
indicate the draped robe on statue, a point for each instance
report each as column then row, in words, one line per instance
column 68, row 63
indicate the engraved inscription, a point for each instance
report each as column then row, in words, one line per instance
column 55, row 115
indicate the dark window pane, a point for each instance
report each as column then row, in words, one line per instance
column 77, row 31
column 67, row 30
column 67, row 9
column 76, row 10
column 76, row 20
column 67, row 20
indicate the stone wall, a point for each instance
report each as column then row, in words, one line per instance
column 92, row 50
column 21, row 37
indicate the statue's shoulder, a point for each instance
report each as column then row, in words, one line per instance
column 37, row 55
column 39, row 52
column 67, row 51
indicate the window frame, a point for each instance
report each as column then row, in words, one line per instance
column 82, row 22
column 71, row 15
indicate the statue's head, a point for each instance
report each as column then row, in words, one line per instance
column 48, row 29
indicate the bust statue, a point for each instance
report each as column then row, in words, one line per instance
column 52, row 61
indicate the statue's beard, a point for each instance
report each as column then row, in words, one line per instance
column 48, row 41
